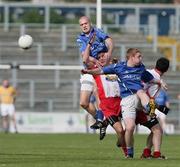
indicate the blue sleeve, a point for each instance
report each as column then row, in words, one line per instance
column 109, row 69
column 101, row 34
column 146, row 76
column 166, row 96
column 81, row 44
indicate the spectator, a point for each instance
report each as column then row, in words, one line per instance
column 7, row 98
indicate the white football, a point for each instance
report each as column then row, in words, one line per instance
column 25, row 41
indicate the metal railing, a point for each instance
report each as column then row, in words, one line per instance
column 31, row 99
column 118, row 10
column 173, row 47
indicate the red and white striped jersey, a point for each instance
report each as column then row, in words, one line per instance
column 152, row 88
column 107, row 86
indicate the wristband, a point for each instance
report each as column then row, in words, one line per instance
column 90, row 43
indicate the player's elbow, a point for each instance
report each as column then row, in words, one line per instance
column 109, row 43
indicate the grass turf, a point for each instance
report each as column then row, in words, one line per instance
column 79, row 150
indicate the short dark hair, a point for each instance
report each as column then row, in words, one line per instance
column 162, row 64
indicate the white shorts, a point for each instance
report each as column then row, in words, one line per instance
column 160, row 114
column 87, row 82
column 129, row 105
column 7, row 109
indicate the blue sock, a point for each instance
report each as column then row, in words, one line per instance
column 95, row 117
column 130, row 151
column 99, row 115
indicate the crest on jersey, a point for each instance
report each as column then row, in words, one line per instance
column 79, row 43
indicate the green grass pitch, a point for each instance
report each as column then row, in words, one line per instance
column 79, row 150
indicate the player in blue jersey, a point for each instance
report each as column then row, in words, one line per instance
column 97, row 41
column 130, row 74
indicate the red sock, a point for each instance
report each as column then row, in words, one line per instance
column 147, row 152
column 124, row 149
column 123, row 133
column 156, row 154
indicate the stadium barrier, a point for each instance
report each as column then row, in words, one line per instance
column 173, row 116
column 119, row 12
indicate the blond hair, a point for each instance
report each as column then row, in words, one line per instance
column 131, row 52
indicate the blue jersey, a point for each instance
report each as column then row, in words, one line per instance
column 162, row 98
column 130, row 78
column 97, row 46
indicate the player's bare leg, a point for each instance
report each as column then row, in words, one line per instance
column 5, row 123
column 149, row 142
column 147, row 151
column 157, row 141
column 121, row 137
column 129, row 136
column 143, row 97
column 162, row 122
column 91, row 109
column 157, row 137
column 84, row 102
column 154, row 139
column 13, row 118
column 147, row 103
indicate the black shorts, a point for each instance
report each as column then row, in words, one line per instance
column 150, row 123
column 113, row 119
column 163, row 109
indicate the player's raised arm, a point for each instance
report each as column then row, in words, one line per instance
column 110, row 45
column 96, row 71
column 147, row 77
column 87, row 59
column 160, row 82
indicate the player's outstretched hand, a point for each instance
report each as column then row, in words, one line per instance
column 164, row 85
column 83, row 71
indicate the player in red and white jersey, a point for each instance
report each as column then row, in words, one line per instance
column 155, row 137
column 109, row 100
column 109, row 95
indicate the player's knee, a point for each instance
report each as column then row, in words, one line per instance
column 130, row 128
column 157, row 130
column 119, row 130
column 84, row 105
